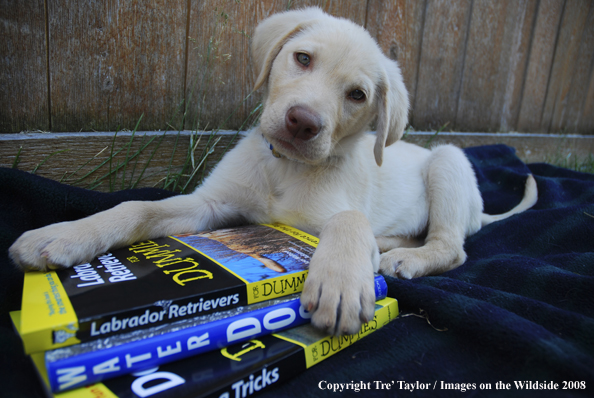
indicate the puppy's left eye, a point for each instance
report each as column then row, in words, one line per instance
column 303, row 58
column 357, row 95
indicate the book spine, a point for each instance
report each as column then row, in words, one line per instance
column 76, row 370
column 50, row 320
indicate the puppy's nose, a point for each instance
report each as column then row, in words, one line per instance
column 302, row 123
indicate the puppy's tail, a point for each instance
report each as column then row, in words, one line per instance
column 529, row 200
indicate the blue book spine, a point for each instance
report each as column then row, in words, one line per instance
column 80, row 369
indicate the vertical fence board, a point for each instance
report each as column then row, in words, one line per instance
column 519, row 50
column 214, row 85
column 397, row 26
column 542, row 50
column 23, row 77
column 580, row 118
column 576, row 69
column 496, row 56
column 587, row 117
column 519, row 57
column 112, row 61
column 441, row 63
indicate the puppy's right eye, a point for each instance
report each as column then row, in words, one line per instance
column 303, row 58
column 357, row 95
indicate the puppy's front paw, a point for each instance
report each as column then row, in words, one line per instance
column 55, row 246
column 339, row 303
column 339, row 289
column 432, row 259
column 402, row 263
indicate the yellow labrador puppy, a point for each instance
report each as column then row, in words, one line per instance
column 311, row 165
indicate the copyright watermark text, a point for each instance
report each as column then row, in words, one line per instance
column 443, row 385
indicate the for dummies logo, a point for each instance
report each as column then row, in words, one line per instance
column 183, row 270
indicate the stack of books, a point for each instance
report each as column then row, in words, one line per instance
column 209, row 314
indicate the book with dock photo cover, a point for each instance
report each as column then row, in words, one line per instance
column 161, row 281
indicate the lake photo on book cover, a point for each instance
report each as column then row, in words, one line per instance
column 252, row 262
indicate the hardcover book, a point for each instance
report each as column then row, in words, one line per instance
column 81, row 364
column 161, row 281
column 239, row 370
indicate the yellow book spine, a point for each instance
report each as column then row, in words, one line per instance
column 325, row 348
column 50, row 321
column 302, row 236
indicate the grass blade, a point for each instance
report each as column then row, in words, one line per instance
column 17, row 158
column 47, row 158
column 126, row 160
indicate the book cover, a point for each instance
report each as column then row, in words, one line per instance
column 163, row 280
column 240, row 370
column 93, row 361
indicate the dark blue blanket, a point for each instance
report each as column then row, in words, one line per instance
column 518, row 314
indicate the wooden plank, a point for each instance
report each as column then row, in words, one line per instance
column 587, row 119
column 67, row 157
column 219, row 77
column 23, row 97
column 355, row 10
column 559, row 149
column 496, row 56
column 571, row 69
column 441, row 63
column 112, row 61
column 574, row 19
column 542, row 50
column 518, row 53
column 398, row 27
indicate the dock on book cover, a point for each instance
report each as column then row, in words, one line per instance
column 163, row 280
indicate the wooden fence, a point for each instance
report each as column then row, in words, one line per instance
column 478, row 65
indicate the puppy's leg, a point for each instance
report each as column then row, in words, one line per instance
column 69, row 243
column 387, row 243
column 455, row 208
column 339, row 288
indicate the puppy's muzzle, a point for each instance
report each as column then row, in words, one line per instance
column 302, row 123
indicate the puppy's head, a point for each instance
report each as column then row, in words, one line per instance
column 325, row 79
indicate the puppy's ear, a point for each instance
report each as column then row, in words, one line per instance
column 272, row 33
column 392, row 108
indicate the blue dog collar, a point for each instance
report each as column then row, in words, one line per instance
column 274, row 151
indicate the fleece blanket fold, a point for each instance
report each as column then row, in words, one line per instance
column 516, row 319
